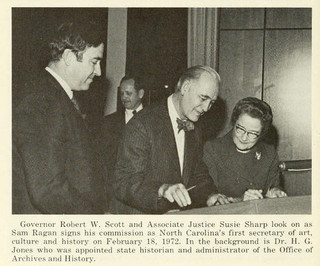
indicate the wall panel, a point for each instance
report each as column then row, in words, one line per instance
column 288, row 18
column 242, row 18
column 288, row 90
column 240, row 67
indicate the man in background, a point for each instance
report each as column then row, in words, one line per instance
column 59, row 174
column 131, row 95
column 159, row 165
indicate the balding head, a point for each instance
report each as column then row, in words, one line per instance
column 196, row 91
column 194, row 73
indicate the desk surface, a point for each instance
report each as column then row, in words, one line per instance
column 287, row 205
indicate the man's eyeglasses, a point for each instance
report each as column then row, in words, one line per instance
column 251, row 135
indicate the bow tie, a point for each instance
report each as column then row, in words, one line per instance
column 186, row 125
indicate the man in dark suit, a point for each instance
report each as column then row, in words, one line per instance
column 51, row 138
column 131, row 94
column 159, row 165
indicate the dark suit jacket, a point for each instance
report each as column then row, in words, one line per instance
column 148, row 158
column 55, row 152
column 234, row 173
column 110, row 136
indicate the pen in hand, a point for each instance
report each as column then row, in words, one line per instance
column 190, row 188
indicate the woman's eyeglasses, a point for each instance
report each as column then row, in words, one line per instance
column 251, row 135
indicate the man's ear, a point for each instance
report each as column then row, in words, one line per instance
column 68, row 56
column 141, row 93
column 185, row 87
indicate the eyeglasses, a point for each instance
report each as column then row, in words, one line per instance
column 251, row 135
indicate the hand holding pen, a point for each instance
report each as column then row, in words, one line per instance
column 220, row 199
column 252, row 194
column 175, row 193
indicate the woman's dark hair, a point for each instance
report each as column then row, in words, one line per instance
column 255, row 108
column 76, row 37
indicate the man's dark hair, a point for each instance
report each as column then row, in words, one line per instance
column 76, row 37
column 255, row 108
column 138, row 83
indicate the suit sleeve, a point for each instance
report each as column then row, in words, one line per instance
column 203, row 182
column 209, row 160
column 132, row 185
column 274, row 171
column 40, row 133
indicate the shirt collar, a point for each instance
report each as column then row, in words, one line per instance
column 139, row 108
column 172, row 112
column 63, row 84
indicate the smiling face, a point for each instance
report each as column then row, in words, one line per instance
column 81, row 73
column 198, row 95
column 130, row 97
column 246, row 132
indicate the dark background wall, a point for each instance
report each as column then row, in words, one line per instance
column 157, row 47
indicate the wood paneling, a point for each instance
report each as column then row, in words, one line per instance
column 288, row 18
column 288, row 90
column 242, row 18
column 240, row 67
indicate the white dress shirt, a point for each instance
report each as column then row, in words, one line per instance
column 63, row 84
column 129, row 113
column 179, row 136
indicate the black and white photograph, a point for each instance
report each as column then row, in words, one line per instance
column 203, row 110
column 164, row 133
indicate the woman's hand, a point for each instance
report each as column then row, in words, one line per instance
column 275, row 193
column 219, row 199
column 252, row 194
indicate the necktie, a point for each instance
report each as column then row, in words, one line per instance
column 75, row 103
column 134, row 112
column 77, row 106
column 186, row 125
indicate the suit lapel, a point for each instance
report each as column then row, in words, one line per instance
column 67, row 101
column 189, row 151
column 168, row 139
column 123, row 119
column 120, row 118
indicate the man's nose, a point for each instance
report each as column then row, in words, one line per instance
column 206, row 106
column 97, row 69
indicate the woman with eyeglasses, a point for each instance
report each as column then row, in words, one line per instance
column 242, row 166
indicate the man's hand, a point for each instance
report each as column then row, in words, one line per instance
column 219, row 199
column 252, row 194
column 275, row 193
column 175, row 193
